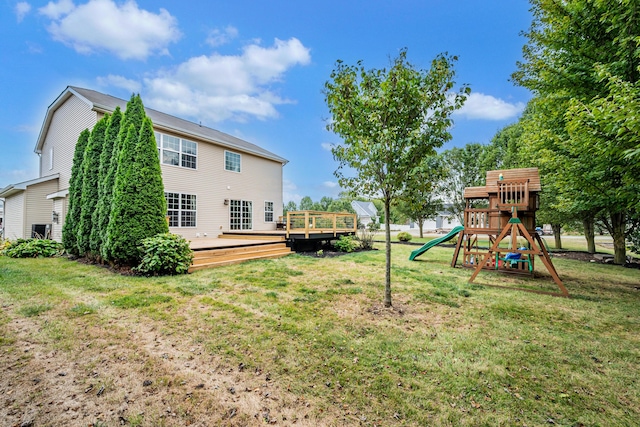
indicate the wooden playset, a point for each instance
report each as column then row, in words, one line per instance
column 504, row 209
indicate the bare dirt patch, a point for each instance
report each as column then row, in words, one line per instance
column 123, row 372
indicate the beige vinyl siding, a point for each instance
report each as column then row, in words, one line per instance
column 73, row 116
column 60, row 206
column 259, row 180
column 14, row 216
column 38, row 208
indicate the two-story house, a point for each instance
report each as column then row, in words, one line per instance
column 213, row 181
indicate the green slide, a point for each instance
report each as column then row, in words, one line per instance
column 434, row 242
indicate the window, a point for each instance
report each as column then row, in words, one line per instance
column 240, row 215
column 176, row 151
column 268, row 211
column 231, row 161
column 181, row 209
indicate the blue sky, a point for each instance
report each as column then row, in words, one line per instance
column 253, row 69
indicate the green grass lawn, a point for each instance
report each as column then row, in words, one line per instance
column 449, row 353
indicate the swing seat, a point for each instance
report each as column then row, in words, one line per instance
column 513, row 258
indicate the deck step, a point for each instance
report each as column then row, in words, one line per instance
column 225, row 251
column 225, row 256
column 252, row 237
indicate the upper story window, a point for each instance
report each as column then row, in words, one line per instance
column 176, row 151
column 231, row 161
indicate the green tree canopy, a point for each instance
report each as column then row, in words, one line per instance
column 389, row 120
column 74, row 209
column 90, row 195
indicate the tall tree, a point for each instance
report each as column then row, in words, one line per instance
column 133, row 116
column 574, row 51
column 389, row 121
column 139, row 206
column 101, row 214
column 90, row 194
column 74, row 209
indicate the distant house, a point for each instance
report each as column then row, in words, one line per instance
column 443, row 222
column 213, row 181
column 366, row 212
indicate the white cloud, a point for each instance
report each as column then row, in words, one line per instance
column 327, row 146
column 121, row 82
column 221, row 87
column 487, row 107
column 289, row 192
column 330, row 184
column 124, row 30
column 21, row 9
column 54, row 10
column 219, row 37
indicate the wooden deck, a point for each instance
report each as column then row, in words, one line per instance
column 302, row 230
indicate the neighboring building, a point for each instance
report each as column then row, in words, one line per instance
column 366, row 212
column 443, row 222
column 213, row 181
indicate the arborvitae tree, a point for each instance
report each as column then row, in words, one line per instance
column 100, row 218
column 91, row 168
column 138, row 207
column 133, row 115
column 70, row 227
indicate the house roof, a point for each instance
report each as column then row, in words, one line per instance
column 364, row 209
column 12, row 189
column 106, row 104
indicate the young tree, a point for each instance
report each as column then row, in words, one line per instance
column 91, row 168
column 70, row 227
column 389, row 121
column 110, row 151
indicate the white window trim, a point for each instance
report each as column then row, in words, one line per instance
column 224, row 159
column 161, row 148
column 273, row 212
column 51, row 158
column 180, row 209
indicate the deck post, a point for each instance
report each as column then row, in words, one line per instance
column 306, row 224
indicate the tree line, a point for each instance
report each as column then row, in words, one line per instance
column 116, row 194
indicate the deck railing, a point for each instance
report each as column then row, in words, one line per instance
column 310, row 222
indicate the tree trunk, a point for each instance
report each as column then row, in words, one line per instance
column 387, row 276
column 618, row 225
column 556, row 235
column 420, row 224
column 589, row 234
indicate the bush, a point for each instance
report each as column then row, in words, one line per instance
column 365, row 235
column 33, row 248
column 403, row 236
column 346, row 244
column 164, row 254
